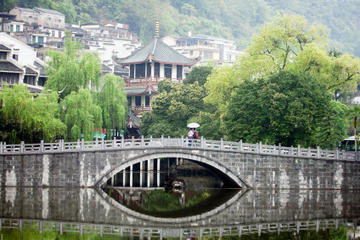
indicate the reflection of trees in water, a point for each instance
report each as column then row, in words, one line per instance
column 161, row 201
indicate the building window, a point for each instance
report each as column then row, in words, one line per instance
column 3, row 55
column 140, row 70
column 157, row 69
column 129, row 101
column 179, row 71
column 147, row 101
column 148, row 70
column 33, row 39
column 168, row 70
column 11, row 28
column 138, row 101
column 18, row 28
column 41, row 39
column 29, row 80
column 15, row 56
column 132, row 71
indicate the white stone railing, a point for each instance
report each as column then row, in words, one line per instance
column 259, row 148
column 180, row 232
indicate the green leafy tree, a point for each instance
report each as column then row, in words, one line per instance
column 113, row 102
column 29, row 119
column 277, row 44
column 337, row 72
column 73, row 69
column 332, row 129
column 6, row 5
column 81, row 115
column 219, row 85
column 172, row 109
column 198, row 74
column 286, row 109
column 353, row 115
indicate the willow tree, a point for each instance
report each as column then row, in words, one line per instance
column 29, row 119
column 81, row 115
column 113, row 103
column 72, row 69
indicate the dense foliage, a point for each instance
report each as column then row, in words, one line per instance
column 285, row 108
column 234, row 19
column 75, row 105
column 173, row 108
column 24, row 118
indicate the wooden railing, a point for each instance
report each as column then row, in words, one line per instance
column 259, row 148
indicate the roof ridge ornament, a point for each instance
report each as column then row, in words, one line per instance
column 157, row 26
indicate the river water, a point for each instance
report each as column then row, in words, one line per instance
column 204, row 209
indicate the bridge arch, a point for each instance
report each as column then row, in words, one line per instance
column 190, row 156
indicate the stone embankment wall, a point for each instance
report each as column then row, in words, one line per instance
column 252, row 170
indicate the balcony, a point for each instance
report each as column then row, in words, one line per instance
column 138, row 82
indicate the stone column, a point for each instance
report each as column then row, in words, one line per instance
column 158, row 172
column 150, row 171
column 131, row 175
column 141, row 173
column 124, row 177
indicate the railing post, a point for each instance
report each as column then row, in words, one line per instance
column 22, row 147
column 132, row 141
column 221, row 144
column 260, row 147
column 202, row 142
column 162, row 140
column 257, row 148
column 299, row 150
column 142, row 141
column 102, row 144
column 82, row 144
column 182, row 141
column 337, row 154
column 1, row 148
column 318, row 152
column 279, row 149
column 42, row 146
column 114, row 142
column 241, row 148
column 122, row 141
column 78, row 144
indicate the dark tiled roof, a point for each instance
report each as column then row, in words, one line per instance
column 121, row 69
column 41, row 68
column 3, row 47
column 29, row 71
column 137, row 91
column 106, row 69
column 50, row 11
column 6, row 66
column 159, row 52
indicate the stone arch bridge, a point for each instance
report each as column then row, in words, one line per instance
column 91, row 164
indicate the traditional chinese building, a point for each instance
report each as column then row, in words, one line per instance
column 147, row 66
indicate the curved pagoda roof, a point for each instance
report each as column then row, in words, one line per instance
column 157, row 51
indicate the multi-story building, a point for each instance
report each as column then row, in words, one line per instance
column 210, row 49
column 19, row 64
column 47, row 18
column 148, row 66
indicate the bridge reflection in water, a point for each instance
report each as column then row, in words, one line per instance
column 86, row 210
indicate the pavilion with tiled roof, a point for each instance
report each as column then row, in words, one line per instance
column 149, row 65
